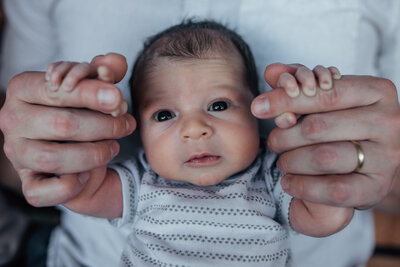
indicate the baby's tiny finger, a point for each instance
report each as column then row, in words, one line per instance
column 335, row 73
column 50, row 69
column 285, row 120
column 58, row 73
column 306, row 77
column 324, row 77
column 76, row 74
column 288, row 82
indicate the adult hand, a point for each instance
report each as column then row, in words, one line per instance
column 36, row 119
column 317, row 157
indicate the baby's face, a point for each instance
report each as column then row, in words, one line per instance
column 195, row 120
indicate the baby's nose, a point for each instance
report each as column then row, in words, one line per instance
column 195, row 129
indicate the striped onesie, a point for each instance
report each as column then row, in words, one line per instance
column 243, row 221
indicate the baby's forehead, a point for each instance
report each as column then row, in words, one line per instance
column 215, row 68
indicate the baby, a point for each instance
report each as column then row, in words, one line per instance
column 203, row 192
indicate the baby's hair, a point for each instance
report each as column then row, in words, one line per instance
column 192, row 40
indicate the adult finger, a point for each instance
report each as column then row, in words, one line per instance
column 346, row 94
column 52, row 157
column 116, row 64
column 350, row 124
column 41, row 190
column 273, row 72
column 336, row 190
column 66, row 124
column 333, row 158
column 92, row 94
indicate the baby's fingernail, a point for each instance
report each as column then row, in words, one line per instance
column 309, row 91
column 83, row 177
column 261, row 106
column 107, row 96
column 337, row 76
column 325, row 85
column 293, row 92
column 335, row 73
column 53, row 86
column 47, row 76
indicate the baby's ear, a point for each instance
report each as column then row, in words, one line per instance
column 115, row 63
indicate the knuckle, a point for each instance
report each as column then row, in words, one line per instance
column 32, row 199
column 102, row 154
column 30, row 195
column 324, row 157
column 338, row 191
column 118, row 126
column 321, row 69
column 8, row 120
column 14, row 81
column 46, row 160
column 313, row 126
column 329, row 98
column 387, row 87
column 8, row 150
column 64, row 124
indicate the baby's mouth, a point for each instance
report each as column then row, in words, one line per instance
column 204, row 159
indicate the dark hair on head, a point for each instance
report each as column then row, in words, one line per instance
column 193, row 40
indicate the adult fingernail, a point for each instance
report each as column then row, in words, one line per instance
column 106, row 96
column 83, row 177
column 121, row 110
column 261, row 106
column 104, row 74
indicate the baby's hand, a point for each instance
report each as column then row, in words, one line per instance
column 308, row 81
column 64, row 76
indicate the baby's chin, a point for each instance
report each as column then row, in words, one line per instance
column 208, row 180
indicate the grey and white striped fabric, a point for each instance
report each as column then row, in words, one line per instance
column 242, row 221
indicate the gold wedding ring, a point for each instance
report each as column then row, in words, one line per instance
column 360, row 156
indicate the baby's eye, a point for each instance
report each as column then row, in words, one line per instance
column 163, row 115
column 218, row 106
